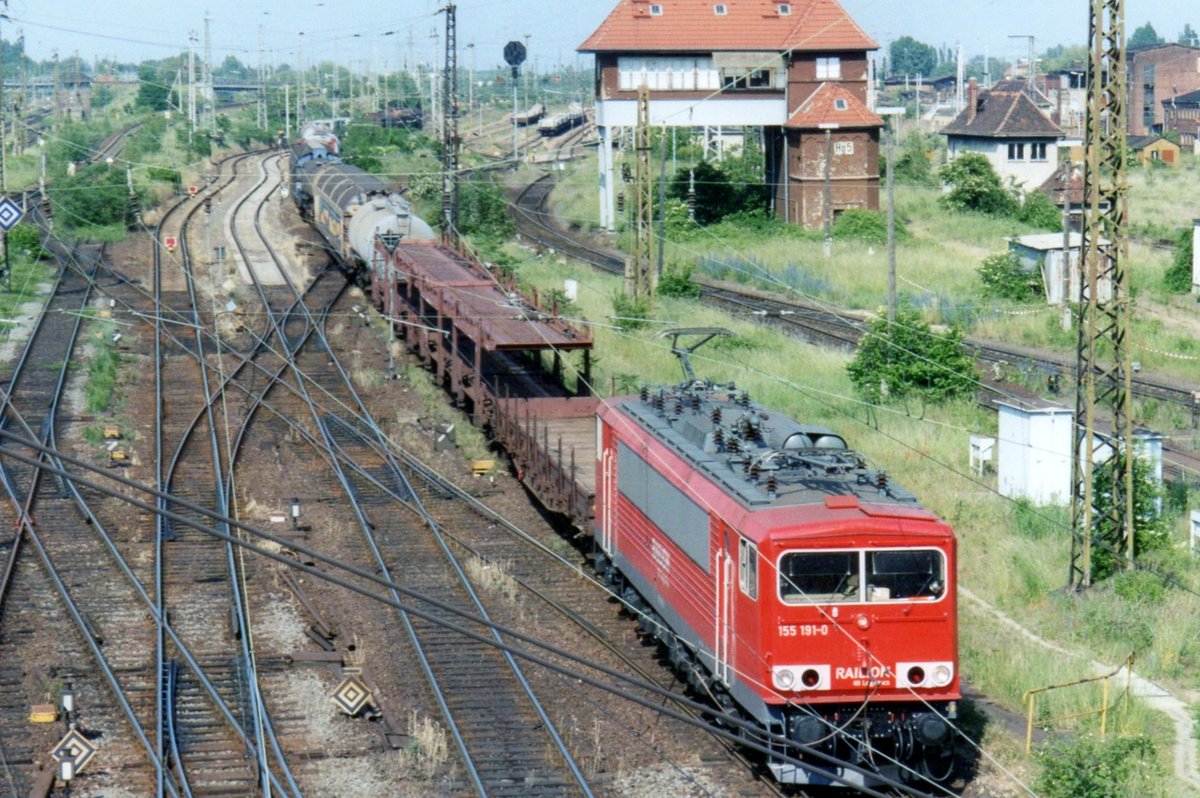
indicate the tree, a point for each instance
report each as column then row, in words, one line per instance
column 1188, row 37
column 153, row 91
column 1145, row 36
column 94, row 196
column 717, row 196
column 975, row 186
column 1003, row 277
column 911, row 57
column 1040, row 211
column 908, row 359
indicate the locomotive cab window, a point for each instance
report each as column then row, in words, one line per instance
column 824, row 577
column 911, row 574
column 748, row 568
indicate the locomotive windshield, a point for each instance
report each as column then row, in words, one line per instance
column 848, row 577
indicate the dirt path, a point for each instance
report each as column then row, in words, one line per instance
column 1154, row 695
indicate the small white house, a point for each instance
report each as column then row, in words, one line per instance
column 1035, row 453
column 1006, row 125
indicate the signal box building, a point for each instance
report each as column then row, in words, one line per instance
column 796, row 70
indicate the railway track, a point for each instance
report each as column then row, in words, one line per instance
column 816, row 323
column 200, row 579
column 83, row 603
column 507, row 744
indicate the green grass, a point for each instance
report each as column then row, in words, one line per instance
column 1013, row 555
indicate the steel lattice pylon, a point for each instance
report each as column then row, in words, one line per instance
column 639, row 276
column 1103, row 367
column 450, row 129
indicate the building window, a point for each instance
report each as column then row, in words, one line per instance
column 1037, row 151
column 667, row 74
column 785, row 9
column 840, row 104
column 829, row 68
column 655, row 10
column 1016, row 151
column 843, row 148
column 720, row 9
column 748, row 568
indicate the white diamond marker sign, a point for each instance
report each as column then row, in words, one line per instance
column 10, row 214
column 75, row 747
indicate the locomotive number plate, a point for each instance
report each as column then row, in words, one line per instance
column 804, row 630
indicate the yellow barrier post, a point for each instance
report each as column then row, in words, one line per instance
column 1104, row 709
column 1032, row 699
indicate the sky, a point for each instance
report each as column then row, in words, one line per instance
column 351, row 30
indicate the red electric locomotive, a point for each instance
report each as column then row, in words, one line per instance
column 785, row 577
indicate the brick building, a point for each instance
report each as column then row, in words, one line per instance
column 796, row 70
column 1182, row 115
column 1156, row 74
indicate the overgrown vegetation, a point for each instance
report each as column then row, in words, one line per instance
column 629, row 313
column 677, row 281
column 102, row 374
column 1178, row 277
column 25, row 238
column 483, row 210
column 94, row 197
column 1150, row 529
column 1004, row 278
column 907, row 358
column 1088, row 767
column 863, row 225
column 975, row 186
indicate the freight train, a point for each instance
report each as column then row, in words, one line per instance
column 561, row 122
column 786, row 579
column 530, row 115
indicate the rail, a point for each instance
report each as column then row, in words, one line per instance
column 1030, row 698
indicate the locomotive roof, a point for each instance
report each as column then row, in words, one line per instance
column 761, row 458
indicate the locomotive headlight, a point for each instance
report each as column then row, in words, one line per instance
column 924, row 674
column 801, row 678
column 784, row 679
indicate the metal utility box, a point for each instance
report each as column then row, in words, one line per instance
column 1035, row 453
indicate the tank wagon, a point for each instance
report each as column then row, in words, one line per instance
column 786, row 579
column 349, row 207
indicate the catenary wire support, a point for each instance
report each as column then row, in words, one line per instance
column 450, row 129
column 640, row 274
column 1103, row 371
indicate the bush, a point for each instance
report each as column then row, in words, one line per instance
column 719, row 193
column 1086, row 767
column 27, row 238
column 1040, row 211
column 629, row 313
column 908, row 358
column 1178, row 278
column 483, row 209
column 1004, row 278
column 677, row 282
column 96, row 196
column 975, row 186
column 869, row 226
column 913, row 162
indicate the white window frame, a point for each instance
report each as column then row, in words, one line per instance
column 720, row 9
column 656, row 10
column 829, row 68
column 784, row 9
column 748, row 568
column 840, row 104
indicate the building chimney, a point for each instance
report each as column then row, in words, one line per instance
column 972, row 100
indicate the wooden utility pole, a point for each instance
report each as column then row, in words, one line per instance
column 827, row 194
column 1103, row 372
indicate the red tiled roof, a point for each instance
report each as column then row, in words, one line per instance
column 821, row 110
column 692, row 25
